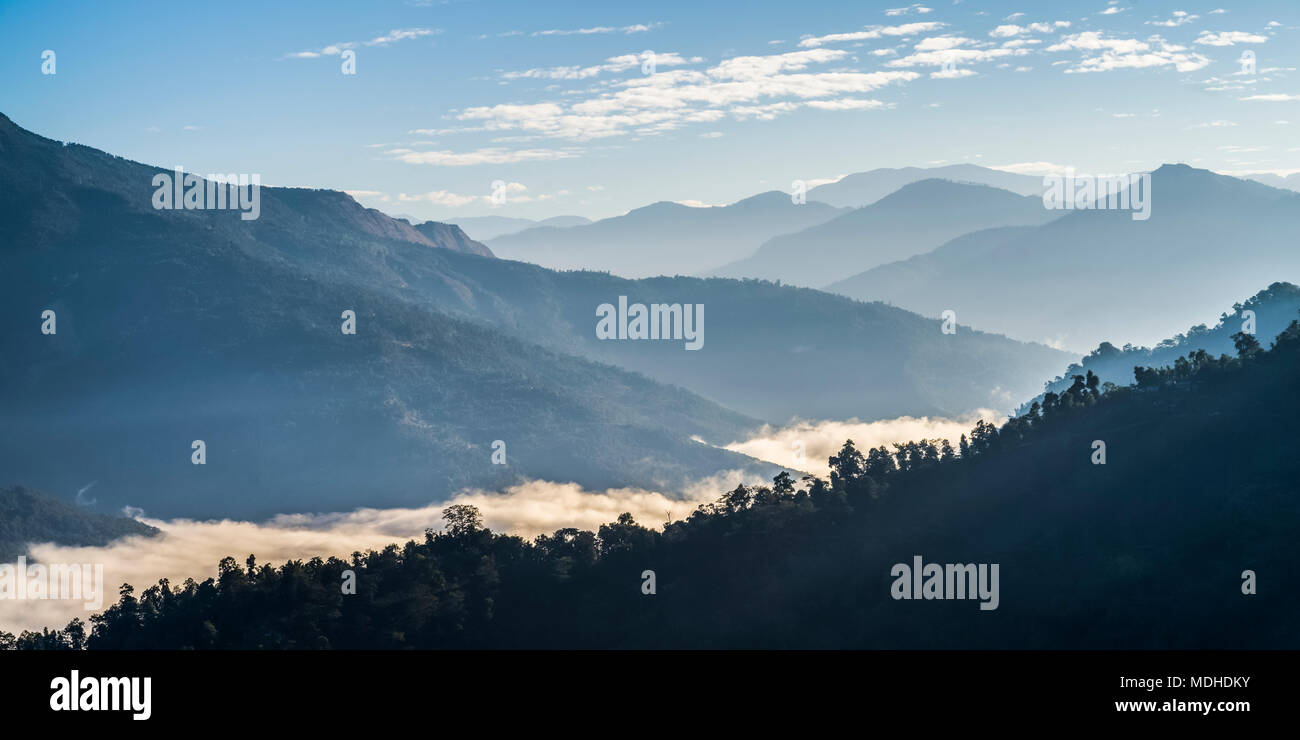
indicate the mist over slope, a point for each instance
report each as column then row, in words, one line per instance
column 770, row 352
column 31, row 517
column 176, row 326
column 1036, row 546
column 184, row 325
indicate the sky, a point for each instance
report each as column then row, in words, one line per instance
column 596, row 108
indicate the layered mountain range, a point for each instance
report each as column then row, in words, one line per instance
column 180, row 326
column 1095, row 275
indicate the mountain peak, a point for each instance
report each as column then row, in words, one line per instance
column 451, row 236
column 1196, row 185
column 935, row 187
column 767, row 199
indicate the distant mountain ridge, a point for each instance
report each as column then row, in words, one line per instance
column 484, row 228
column 1090, row 275
column 771, row 352
column 864, row 188
column 177, row 326
column 664, row 238
column 1285, row 182
column 915, row 219
column 1272, row 310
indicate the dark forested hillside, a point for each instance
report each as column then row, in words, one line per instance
column 1182, row 537
column 176, row 326
column 1264, row 314
column 451, row 236
column 171, row 327
column 28, row 516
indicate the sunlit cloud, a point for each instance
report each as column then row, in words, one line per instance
column 808, row 445
column 192, row 549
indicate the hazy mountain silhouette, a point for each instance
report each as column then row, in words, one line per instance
column 664, row 238
column 1286, row 182
column 864, row 188
column 776, row 352
column 1098, row 275
column 182, row 325
column 771, row 352
column 483, row 228
column 913, row 220
column 1274, row 308
column 175, row 326
column 31, row 517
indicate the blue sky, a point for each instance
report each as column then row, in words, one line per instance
column 554, row 99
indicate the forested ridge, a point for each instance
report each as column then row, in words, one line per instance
column 1272, row 307
column 1145, row 551
column 174, row 321
column 28, row 516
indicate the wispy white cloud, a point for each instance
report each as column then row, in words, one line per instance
column 950, row 51
column 744, row 87
column 1103, row 54
column 915, row 8
column 1009, row 30
column 616, row 64
column 393, row 36
column 626, row 30
column 378, row 195
column 953, row 73
column 1229, row 38
column 1033, row 168
column 491, row 155
column 814, row 182
column 513, row 192
column 1179, row 18
column 846, row 104
column 872, row 32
